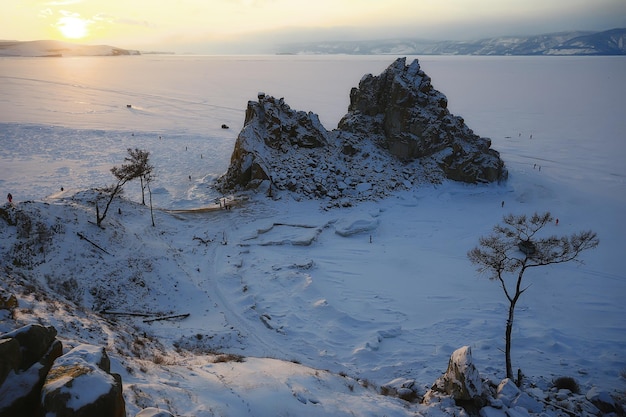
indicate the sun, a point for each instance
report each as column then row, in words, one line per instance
column 72, row 27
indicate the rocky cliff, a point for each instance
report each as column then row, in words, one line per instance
column 397, row 132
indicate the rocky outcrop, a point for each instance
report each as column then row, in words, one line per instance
column 26, row 356
column 271, row 128
column 402, row 112
column 463, row 384
column 397, row 132
column 461, row 380
column 36, row 380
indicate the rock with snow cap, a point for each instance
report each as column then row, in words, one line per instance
column 602, row 400
column 507, row 391
column 26, row 356
column 34, row 340
column 402, row 112
column 80, row 384
column 462, row 379
column 356, row 223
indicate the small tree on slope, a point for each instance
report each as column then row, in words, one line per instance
column 137, row 166
column 514, row 247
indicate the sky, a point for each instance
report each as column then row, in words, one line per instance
column 218, row 26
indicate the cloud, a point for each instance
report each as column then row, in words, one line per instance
column 45, row 13
column 62, row 3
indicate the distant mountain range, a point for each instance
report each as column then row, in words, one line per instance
column 48, row 48
column 609, row 42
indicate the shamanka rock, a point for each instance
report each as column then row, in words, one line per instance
column 402, row 112
column 397, row 133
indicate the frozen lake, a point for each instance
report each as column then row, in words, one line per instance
column 65, row 122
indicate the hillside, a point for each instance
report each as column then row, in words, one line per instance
column 610, row 42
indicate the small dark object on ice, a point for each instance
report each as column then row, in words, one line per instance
column 225, row 126
column 129, row 106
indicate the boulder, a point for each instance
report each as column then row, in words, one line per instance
column 80, row 384
column 24, row 376
column 507, row 391
column 34, row 340
column 403, row 388
column 602, row 400
column 461, row 380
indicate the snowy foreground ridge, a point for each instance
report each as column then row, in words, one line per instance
column 242, row 349
column 285, row 306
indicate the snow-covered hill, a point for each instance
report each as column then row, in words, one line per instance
column 610, row 42
column 50, row 48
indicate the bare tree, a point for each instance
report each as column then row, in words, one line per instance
column 137, row 166
column 514, row 247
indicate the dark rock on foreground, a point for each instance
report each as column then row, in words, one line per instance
column 37, row 379
column 397, row 133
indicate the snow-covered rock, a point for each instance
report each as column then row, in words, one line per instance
column 80, row 383
column 357, row 223
column 26, row 356
column 402, row 112
column 396, row 125
column 462, row 379
column 507, row 391
column 601, row 399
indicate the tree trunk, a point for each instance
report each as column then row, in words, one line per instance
column 508, row 333
column 150, row 196
column 143, row 194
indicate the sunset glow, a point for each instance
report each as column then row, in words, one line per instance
column 73, row 27
column 243, row 26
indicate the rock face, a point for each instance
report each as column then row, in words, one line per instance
column 402, row 112
column 271, row 128
column 397, row 133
